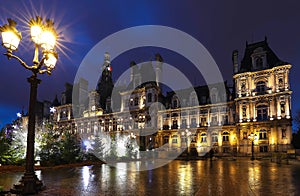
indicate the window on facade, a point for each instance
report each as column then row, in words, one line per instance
column 263, row 149
column 203, row 122
column 193, row 101
column 166, row 139
column 260, row 87
column 225, row 119
column 165, row 127
column 174, row 139
column 259, row 63
column 280, row 82
column 175, row 103
column 262, row 112
column 203, row 138
column 213, row 98
column 155, row 97
column 244, row 111
column 136, row 101
column 225, row 137
column 149, row 98
column 193, row 123
column 283, row 133
column 183, row 123
column 282, row 107
column 175, row 125
column 243, row 87
column 263, row 134
column 193, row 138
column 214, row 120
column 214, row 137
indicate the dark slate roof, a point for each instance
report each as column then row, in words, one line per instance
column 201, row 91
column 272, row 59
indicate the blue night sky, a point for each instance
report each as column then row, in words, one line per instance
column 221, row 26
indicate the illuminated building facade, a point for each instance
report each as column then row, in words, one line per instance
column 215, row 116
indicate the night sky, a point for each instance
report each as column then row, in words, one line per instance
column 221, row 27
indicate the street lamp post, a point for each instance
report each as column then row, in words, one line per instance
column 186, row 133
column 252, row 137
column 44, row 37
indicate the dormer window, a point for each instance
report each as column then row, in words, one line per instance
column 175, row 103
column 259, row 63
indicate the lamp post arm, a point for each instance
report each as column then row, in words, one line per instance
column 10, row 55
column 35, row 68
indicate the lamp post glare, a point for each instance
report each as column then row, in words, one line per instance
column 186, row 133
column 252, row 137
column 44, row 37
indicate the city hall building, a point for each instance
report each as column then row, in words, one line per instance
column 227, row 119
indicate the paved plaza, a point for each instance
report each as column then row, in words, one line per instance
column 201, row 177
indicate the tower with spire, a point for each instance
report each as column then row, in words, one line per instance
column 105, row 84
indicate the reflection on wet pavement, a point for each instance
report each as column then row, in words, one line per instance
column 177, row 178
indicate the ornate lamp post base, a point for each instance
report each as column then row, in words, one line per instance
column 29, row 184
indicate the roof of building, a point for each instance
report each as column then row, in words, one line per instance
column 271, row 57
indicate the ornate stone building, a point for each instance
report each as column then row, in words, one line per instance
column 218, row 116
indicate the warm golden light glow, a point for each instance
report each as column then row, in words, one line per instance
column 36, row 32
column 48, row 40
column 50, row 60
column 10, row 40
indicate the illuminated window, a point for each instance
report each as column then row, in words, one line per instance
column 262, row 134
column 174, row 139
column 244, row 111
column 203, row 122
column 225, row 137
column 282, row 107
column 283, row 133
column 203, row 138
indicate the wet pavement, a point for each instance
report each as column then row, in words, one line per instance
column 201, row 177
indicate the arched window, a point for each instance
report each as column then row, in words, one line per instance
column 203, row 138
column 260, row 87
column 262, row 112
column 259, row 63
column 149, row 98
column 225, row 136
column 262, row 134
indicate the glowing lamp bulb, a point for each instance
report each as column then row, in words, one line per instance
column 48, row 40
column 10, row 40
column 36, row 32
column 50, row 60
